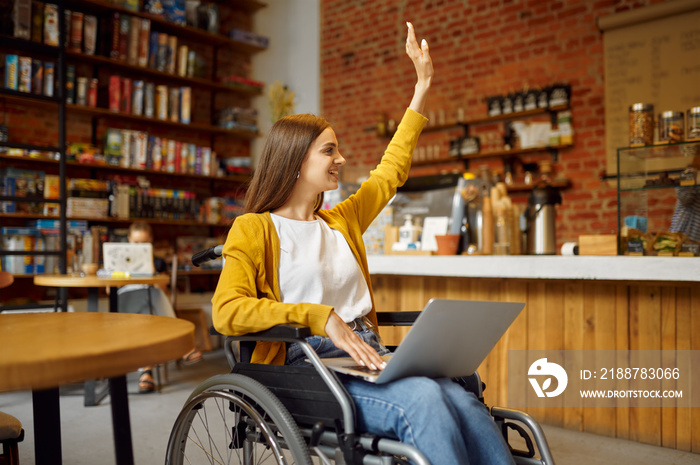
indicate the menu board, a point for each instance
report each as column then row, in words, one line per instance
column 655, row 61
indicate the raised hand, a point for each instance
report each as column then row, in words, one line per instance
column 420, row 56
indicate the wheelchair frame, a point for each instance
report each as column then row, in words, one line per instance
column 289, row 408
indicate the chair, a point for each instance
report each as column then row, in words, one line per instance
column 11, row 433
column 193, row 314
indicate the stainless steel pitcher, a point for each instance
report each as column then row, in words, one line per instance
column 540, row 220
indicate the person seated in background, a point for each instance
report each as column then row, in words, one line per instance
column 141, row 232
column 686, row 217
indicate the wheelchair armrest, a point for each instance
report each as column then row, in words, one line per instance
column 276, row 333
column 396, row 318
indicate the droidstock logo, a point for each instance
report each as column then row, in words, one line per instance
column 543, row 368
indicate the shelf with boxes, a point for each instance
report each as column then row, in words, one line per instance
column 517, row 128
column 658, row 193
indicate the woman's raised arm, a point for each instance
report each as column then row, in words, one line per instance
column 420, row 56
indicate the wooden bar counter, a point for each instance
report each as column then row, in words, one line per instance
column 572, row 303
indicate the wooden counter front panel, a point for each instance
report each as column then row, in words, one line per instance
column 574, row 315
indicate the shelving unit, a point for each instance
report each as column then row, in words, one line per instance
column 655, row 171
column 74, row 117
column 57, row 103
column 510, row 153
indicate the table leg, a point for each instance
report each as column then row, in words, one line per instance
column 121, row 424
column 95, row 390
column 47, row 427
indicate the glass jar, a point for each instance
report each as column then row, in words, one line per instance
column 694, row 123
column 671, row 127
column 641, row 116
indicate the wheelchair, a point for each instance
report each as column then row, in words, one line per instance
column 264, row 414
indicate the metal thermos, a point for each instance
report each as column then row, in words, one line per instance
column 540, row 217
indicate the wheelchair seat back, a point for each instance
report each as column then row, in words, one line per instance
column 300, row 389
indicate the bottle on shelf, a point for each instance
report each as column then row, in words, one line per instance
column 409, row 232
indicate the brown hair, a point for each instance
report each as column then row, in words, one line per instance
column 141, row 226
column 285, row 149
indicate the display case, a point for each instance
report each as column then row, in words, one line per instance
column 650, row 179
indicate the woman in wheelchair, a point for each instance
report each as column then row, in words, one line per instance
column 288, row 261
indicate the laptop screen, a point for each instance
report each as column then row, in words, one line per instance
column 127, row 257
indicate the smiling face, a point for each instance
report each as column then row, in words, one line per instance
column 319, row 170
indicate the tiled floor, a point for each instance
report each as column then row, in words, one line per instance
column 87, row 433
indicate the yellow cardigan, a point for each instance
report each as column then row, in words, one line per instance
column 247, row 297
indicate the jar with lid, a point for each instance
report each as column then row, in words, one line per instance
column 671, row 128
column 641, row 117
column 694, row 123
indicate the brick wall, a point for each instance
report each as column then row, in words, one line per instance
column 479, row 48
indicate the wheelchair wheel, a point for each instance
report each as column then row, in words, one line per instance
column 233, row 419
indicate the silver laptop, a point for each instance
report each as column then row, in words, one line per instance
column 449, row 338
column 127, row 257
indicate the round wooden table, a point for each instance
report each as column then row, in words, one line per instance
column 41, row 351
column 94, row 394
column 68, row 280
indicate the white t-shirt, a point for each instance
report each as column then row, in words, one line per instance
column 317, row 266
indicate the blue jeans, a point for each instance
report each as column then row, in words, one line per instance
column 436, row 416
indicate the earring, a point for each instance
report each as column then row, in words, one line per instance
column 298, row 173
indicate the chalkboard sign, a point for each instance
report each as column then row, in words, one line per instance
column 651, row 56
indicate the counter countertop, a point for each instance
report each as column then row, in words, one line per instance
column 619, row 268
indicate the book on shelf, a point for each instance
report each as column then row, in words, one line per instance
column 154, row 7
column 116, row 34
column 137, row 98
column 124, row 27
column 67, row 23
column 37, row 21
column 37, row 76
column 182, row 53
column 89, row 34
column 132, row 54
column 92, row 93
column 149, row 90
column 70, row 84
column 87, row 207
column 162, row 54
column 126, row 149
column 154, row 155
column 48, row 78
column 113, row 146
column 125, row 105
column 152, row 49
column 139, row 145
column 131, row 5
column 185, row 104
column 162, row 102
column 174, row 11
column 23, row 19
column 81, row 85
column 17, row 182
column 51, row 24
column 191, row 62
column 76, row 31
column 171, row 55
column 174, row 104
column 25, row 74
column 177, row 159
column 170, row 156
column 144, row 42
column 52, row 190
column 11, row 71
column 114, row 93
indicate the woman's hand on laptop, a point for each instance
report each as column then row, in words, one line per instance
column 345, row 338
